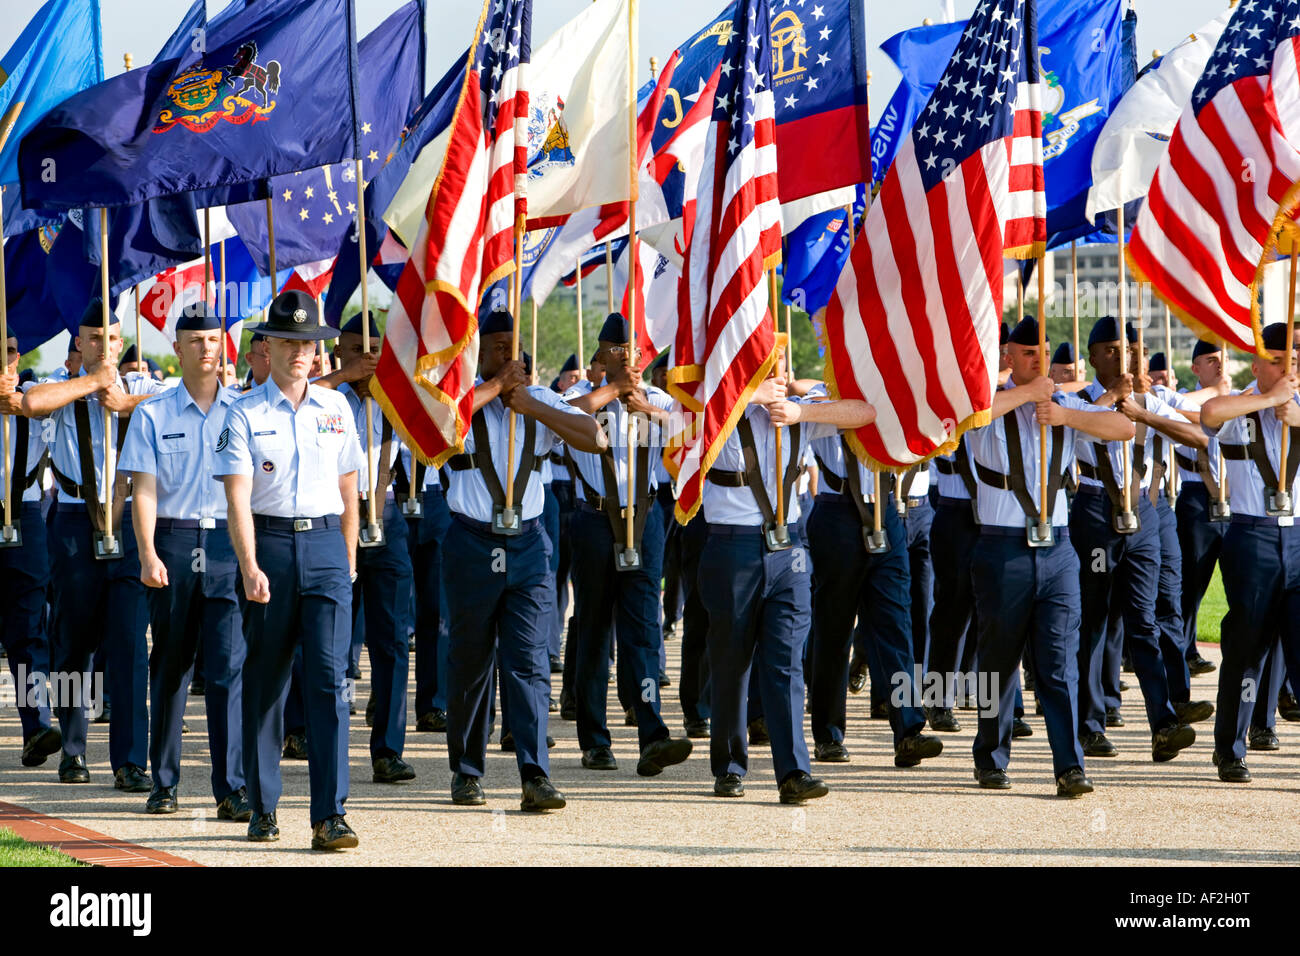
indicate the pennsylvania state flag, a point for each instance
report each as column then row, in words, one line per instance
column 277, row 93
column 57, row 55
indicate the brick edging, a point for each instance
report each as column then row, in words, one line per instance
column 86, row 846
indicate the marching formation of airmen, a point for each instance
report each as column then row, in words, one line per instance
column 240, row 551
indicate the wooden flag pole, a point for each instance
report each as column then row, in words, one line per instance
column 221, row 306
column 1221, row 513
column 1287, row 366
column 1074, row 299
column 373, row 533
column 108, row 546
column 789, row 346
column 1126, row 472
column 139, row 342
column 582, row 355
column 1044, row 506
column 9, row 535
column 533, row 378
column 630, row 558
column 507, row 517
column 780, row 485
column 1171, row 479
column 609, row 278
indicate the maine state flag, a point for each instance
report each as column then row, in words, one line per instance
column 276, row 96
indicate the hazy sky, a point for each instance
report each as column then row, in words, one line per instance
column 141, row 27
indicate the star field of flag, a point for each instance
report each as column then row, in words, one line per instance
column 746, row 71
column 1247, row 46
column 502, row 49
column 973, row 103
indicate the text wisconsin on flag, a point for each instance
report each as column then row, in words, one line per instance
column 913, row 324
column 425, row 378
column 1229, row 179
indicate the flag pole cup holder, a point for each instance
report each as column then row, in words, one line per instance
column 11, row 536
column 777, row 537
column 108, row 547
column 626, row 559
column 1125, row 522
column 372, row 536
column 506, row 521
column 1277, row 504
column 877, row 541
column 412, row 507
column 1220, row 512
column 1039, row 534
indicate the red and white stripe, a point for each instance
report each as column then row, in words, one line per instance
column 913, row 324
column 651, row 299
column 170, row 293
column 725, row 337
column 1205, row 232
column 425, row 378
column 312, row 278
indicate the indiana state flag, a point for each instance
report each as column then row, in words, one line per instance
column 277, row 95
column 315, row 208
column 57, row 54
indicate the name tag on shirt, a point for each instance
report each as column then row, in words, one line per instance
column 260, row 434
column 174, row 436
column 330, row 425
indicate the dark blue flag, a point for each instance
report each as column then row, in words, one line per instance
column 48, row 282
column 815, row 253
column 314, row 209
column 277, row 95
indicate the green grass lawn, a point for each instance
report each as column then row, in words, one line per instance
column 17, row 852
column 1213, row 607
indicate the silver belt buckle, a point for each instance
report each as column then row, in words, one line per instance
column 301, row 524
column 207, row 523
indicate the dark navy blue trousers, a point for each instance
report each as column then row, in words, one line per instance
column 956, row 532
column 311, row 608
column 917, row 524
column 1169, row 606
column 850, row 583
column 383, row 589
column 674, row 585
column 24, row 575
column 631, row 600
column 1272, row 677
column 1261, row 579
column 1118, row 571
column 694, row 688
column 424, row 540
column 758, row 607
column 1026, row 596
column 551, row 525
column 198, row 604
column 94, row 603
column 495, row 586
column 1200, row 542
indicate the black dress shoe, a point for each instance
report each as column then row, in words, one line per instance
column 663, row 753
column 1123, row 685
column 508, row 742
column 697, row 729
column 799, row 787
column 1198, row 665
column 1231, row 770
column 540, row 794
column 73, row 770
column 434, row 722
column 162, row 800
column 1288, row 707
column 629, row 717
column 295, row 747
column 235, row 807
column 1097, row 745
column 392, row 770
column 942, row 720
column 1167, row 741
column 198, row 687
column 758, row 732
column 132, row 779
column 831, row 752
column 1114, row 718
column 728, row 785
column 466, row 791
column 552, row 706
column 557, row 665
column 1073, row 783
column 332, row 833
column 663, row 680
column 599, row 758
column 1194, row 711
column 857, row 674
column 185, row 727
column 1261, row 738
column 354, row 671
column 262, row 828
column 40, row 745
column 910, row 751
column 880, row 711
column 670, row 630
column 105, row 714
column 993, row 779
column 1020, row 728
column 370, row 711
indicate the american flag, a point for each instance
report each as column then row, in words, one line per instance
column 1224, row 186
column 912, row 326
column 425, row 379
column 725, row 342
